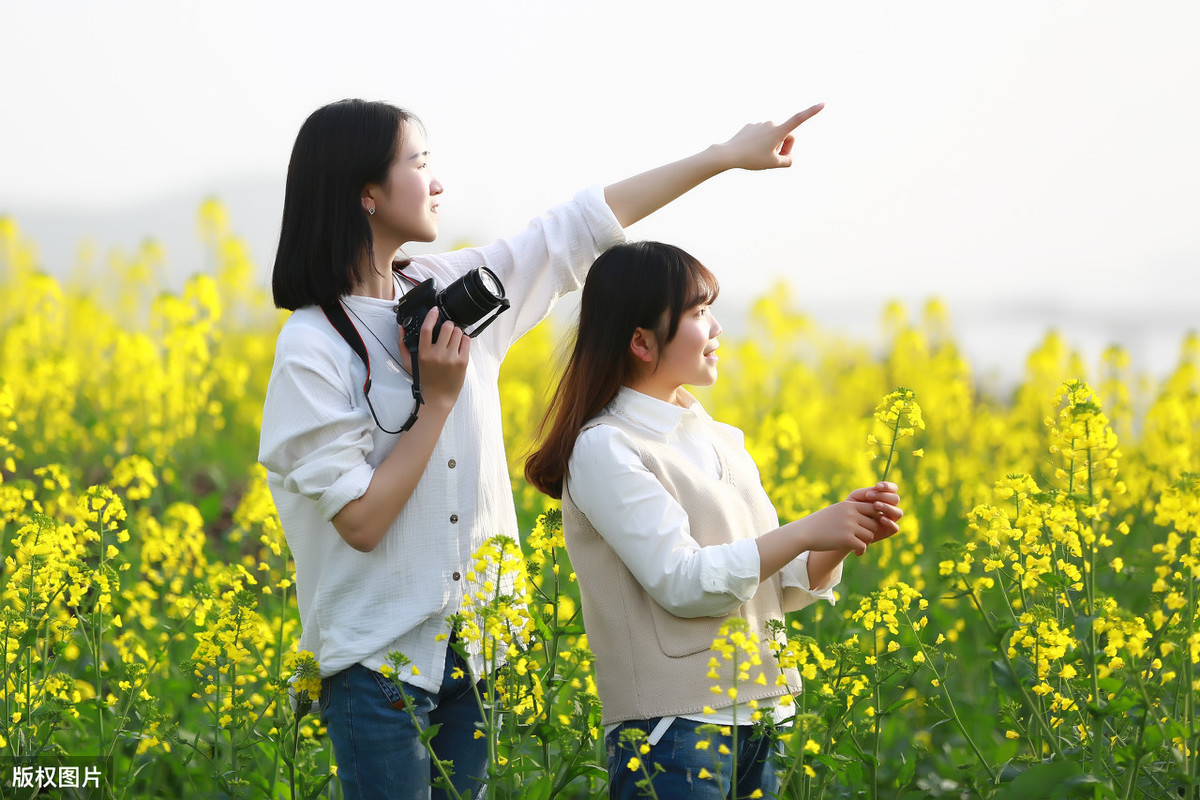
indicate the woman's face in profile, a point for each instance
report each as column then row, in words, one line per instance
column 407, row 204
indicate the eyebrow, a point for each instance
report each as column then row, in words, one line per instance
column 422, row 154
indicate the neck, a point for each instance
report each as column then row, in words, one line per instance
column 375, row 285
column 377, row 280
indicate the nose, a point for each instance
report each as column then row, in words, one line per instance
column 715, row 327
column 435, row 187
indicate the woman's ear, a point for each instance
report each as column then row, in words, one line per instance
column 368, row 202
column 643, row 345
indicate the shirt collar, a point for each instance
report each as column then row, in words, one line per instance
column 657, row 415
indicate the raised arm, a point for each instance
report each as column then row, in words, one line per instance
column 761, row 145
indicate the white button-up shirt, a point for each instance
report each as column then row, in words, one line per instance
column 321, row 447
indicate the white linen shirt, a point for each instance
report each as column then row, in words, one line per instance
column 321, row 446
column 649, row 530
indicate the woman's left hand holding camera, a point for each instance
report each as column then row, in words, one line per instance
column 362, row 523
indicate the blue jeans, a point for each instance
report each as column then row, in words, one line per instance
column 378, row 750
column 681, row 762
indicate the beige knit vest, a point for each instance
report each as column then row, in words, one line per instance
column 649, row 662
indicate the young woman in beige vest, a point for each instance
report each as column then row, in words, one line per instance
column 669, row 529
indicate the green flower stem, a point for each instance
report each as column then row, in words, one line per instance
column 648, row 790
column 233, row 760
column 565, row 776
column 1149, row 704
column 1089, row 582
column 795, row 761
column 831, row 730
column 892, row 447
column 1036, row 711
column 295, row 755
column 437, row 762
column 94, row 640
column 279, row 648
column 1138, row 756
column 1191, row 763
column 950, row 700
column 1034, row 707
column 878, row 717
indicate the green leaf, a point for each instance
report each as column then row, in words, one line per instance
column 1083, row 626
column 547, row 732
column 1084, row 786
column 319, row 788
column 429, row 733
column 1004, row 679
column 1039, row 782
column 908, row 768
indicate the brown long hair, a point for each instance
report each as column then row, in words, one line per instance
column 634, row 285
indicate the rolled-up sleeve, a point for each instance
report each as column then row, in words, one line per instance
column 313, row 437
column 648, row 529
column 797, row 594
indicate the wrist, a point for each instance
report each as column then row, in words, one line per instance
column 437, row 404
column 718, row 158
column 801, row 534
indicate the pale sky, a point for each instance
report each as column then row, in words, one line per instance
column 1029, row 162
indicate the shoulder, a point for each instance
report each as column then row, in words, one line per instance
column 602, row 463
column 600, row 448
column 735, row 436
column 724, row 431
column 307, row 325
column 307, row 336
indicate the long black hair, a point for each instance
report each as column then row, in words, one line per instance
column 634, row 285
column 324, row 235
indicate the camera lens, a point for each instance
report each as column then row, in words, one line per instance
column 490, row 283
column 472, row 296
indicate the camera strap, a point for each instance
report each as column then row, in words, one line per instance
column 336, row 314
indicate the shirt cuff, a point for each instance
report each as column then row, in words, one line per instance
column 602, row 223
column 796, row 591
column 736, row 573
column 350, row 486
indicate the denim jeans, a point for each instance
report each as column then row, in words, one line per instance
column 378, row 750
column 676, row 753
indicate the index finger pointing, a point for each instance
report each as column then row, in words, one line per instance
column 803, row 116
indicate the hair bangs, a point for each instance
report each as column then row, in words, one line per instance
column 691, row 284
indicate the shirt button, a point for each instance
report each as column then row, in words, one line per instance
column 454, row 517
column 452, row 464
column 456, row 576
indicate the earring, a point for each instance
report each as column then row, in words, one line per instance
column 371, row 211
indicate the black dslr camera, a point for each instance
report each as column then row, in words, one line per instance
column 464, row 302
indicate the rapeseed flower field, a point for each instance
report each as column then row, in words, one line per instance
column 1034, row 626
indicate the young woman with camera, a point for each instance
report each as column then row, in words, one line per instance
column 382, row 525
column 670, row 532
